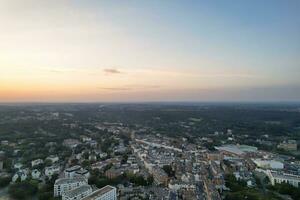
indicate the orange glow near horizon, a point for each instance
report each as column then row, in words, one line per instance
column 63, row 50
column 64, row 84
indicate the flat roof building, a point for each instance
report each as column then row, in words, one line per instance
column 62, row 185
column 238, row 150
column 268, row 164
column 70, row 172
column 77, row 193
column 106, row 193
column 277, row 178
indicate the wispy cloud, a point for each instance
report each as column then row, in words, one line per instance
column 112, row 71
column 115, row 88
column 59, row 70
column 130, row 87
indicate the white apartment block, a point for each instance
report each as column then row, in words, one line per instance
column 106, row 193
column 77, row 193
column 276, row 177
column 66, row 184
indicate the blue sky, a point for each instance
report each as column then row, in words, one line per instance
column 164, row 50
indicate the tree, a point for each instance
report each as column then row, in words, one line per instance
column 93, row 179
column 286, row 189
column 45, row 195
column 48, row 162
column 4, row 181
column 7, row 164
column 243, row 195
column 85, row 163
column 22, row 190
column 168, row 169
column 124, row 159
column 74, row 162
column 137, row 180
column 150, row 180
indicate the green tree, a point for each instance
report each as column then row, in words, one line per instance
column 150, row 180
column 233, row 184
column 23, row 190
column 4, row 181
column 168, row 169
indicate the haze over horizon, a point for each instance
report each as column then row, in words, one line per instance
column 93, row 51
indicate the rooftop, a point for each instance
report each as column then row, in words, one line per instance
column 99, row 193
column 82, row 171
column 69, row 180
column 285, row 176
column 75, row 192
column 237, row 149
column 74, row 168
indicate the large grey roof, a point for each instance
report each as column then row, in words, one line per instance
column 77, row 191
column 69, row 180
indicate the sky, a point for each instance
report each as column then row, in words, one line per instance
column 140, row 50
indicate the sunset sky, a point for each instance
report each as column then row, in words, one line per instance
column 154, row 50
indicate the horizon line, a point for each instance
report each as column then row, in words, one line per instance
column 152, row 102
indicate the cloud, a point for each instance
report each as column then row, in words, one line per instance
column 58, row 69
column 130, row 87
column 115, row 88
column 61, row 71
column 112, row 71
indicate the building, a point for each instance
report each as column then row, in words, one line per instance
column 85, row 138
column 1, row 162
column 245, row 176
column 176, row 185
column 53, row 158
column 277, row 177
column 106, row 193
column 4, row 142
column 92, row 143
column 70, row 172
column 82, row 172
column 160, row 176
column 20, row 175
column 77, row 193
column 71, row 143
column 134, row 169
column 18, row 166
column 49, row 171
column 36, row 174
column 62, row 185
column 103, row 155
column 236, row 150
column 290, row 145
column 36, row 162
column 214, row 156
column 113, row 173
column 132, row 135
column 268, row 164
column 131, row 193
